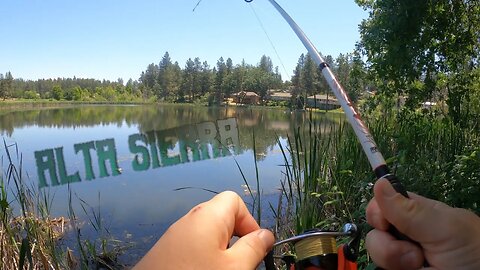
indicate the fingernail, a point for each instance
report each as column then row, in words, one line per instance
column 410, row 260
column 267, row 237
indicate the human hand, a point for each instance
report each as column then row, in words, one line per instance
column 449, row 238
column 199, row 239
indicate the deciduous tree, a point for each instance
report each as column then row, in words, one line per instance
column 410, row 44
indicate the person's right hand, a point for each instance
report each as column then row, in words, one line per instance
column 449, row 237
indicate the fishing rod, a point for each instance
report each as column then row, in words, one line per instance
column 375, row 158
column 369, row 146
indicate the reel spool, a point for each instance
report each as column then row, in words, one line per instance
column 317, row 250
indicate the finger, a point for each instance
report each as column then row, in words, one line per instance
column 390, row 253
column 417, row 217
column 375, row 217
column 252, row 248
column 243, row 222
column 224, row 215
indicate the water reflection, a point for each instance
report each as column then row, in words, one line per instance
column 152, row 149
column 127, row 161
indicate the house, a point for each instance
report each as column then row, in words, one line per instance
column 245, row 97
column 324, row 102
column 280, row 96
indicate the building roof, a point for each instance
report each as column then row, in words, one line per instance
column 319, row 97
column 281, row 94
column 247, row 94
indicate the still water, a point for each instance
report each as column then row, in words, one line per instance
column 143, row 167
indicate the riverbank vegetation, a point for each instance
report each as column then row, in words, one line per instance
column 432, row 147
column 197, row 82
column 328, row 180
column 416, row 71
column 31, row 238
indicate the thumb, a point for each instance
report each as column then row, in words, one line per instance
column 252, row 248
column 415, row 216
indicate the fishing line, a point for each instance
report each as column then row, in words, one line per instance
column 315, row 246
column 198, row 3
column 264, row 31
column 268, row 37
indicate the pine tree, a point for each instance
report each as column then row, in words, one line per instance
column 6, row 85
column 2, row 87
column 219, row 78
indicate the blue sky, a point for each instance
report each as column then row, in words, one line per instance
column 110, row 39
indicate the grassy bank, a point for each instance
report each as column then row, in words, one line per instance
column 60, row 103
column 31, row 238
column 327, row 183
column 28, row 235
column 328, row 180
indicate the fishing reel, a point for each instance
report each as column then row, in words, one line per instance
column 317, row 250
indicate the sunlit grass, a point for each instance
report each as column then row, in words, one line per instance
column 28, row 235
column 30, row 238
column 328, row 180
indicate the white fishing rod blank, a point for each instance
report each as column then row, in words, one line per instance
column 369, row 146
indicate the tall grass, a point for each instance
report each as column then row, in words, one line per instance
column 30, row 238
column 324, row 172
column 100, row 252
column 28, row 235
column 328, row 180
column 438, row 158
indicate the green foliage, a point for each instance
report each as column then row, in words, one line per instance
column 83, row 90
column 57, row 92
column 329, row 180
column 168, row 82
column 77, row 94
column 424, row 49
column 259, row 81
column 101, row 252
column 325, row 170
column 425, row 150
column 349, row 69
column 473, row 104
column 105, row 94
column 6, row 85
column 29, row 94
column 29, row 236
column 464, row 188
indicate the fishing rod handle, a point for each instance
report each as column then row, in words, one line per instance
column 397, row 185
column 383, row 172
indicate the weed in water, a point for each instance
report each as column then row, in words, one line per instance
column 29, row 236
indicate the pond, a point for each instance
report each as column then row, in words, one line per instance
column 141, row 167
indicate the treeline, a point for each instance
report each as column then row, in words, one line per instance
column 167, row 81
column 348, row 68
column 412, row 52
column 6, row 84
column 197, row 81
column 71, row 89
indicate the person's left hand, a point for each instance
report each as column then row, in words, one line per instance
column 199, row 240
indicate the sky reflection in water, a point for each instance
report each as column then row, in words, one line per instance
column 156, row 150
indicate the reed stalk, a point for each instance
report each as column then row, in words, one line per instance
column 29, row 236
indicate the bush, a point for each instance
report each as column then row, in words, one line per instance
column 29, row 94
